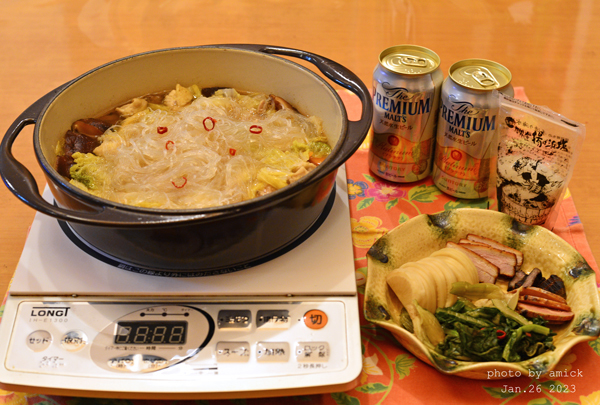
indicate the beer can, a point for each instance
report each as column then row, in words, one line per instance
column 406, row 89
column 466, row 127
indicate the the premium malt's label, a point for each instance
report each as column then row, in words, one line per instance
column 406, row 86
column 467, row 126
column 463, row 150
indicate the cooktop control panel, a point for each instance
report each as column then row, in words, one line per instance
column 178, row 340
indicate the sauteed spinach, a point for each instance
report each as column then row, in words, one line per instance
column 488, row 334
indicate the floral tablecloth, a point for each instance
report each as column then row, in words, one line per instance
column 391, row 374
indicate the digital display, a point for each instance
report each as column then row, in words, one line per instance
column 151, row 333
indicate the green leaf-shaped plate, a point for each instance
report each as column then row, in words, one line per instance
column 420, row 236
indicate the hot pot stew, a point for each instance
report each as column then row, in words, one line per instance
column 192, row 148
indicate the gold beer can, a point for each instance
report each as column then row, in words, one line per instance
column 466, row 127
column 406, row 89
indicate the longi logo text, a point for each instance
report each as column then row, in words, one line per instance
column 45, row 312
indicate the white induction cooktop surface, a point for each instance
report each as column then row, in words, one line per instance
column 51, row 264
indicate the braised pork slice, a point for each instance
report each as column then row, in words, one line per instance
column 498, row 245
column 549, row 314
column 485, row 277
column 487, row 271
column 539, row 292
column 504, row 260
column 543, row 302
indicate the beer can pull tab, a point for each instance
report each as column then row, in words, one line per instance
column 483, row 76
column 414, row 61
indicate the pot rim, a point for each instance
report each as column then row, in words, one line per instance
column 329, row 165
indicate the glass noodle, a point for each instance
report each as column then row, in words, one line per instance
column 215, row 151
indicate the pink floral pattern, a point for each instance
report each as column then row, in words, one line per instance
column 384, row 192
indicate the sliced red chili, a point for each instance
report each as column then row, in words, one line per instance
column 232, row 151
column 169, row 143
column 162, row 130
column 256, row 129
column 500, row 333
column 184, row 183
column 209, row 127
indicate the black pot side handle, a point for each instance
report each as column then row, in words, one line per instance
column 338, row 74
column 23, row 185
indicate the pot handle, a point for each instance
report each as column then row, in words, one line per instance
column 338, row 74
column 22, row 184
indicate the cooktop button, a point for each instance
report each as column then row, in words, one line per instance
column 272, row 351
column 315, row 319
column 233, row 352
column 136, row 363
column 122, row 363
column 273, row 319
column 74, row 340
column 310, row 352
column 39, row 340
column 152, row 363
column 234, row 319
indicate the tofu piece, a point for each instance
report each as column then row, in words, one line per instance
column 136, row 105
column 178, row 98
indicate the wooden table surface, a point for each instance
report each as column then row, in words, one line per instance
column 551, row 48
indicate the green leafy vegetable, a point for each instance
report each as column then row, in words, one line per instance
column 509, row 313
column 491, row 333
column 320, row 149
column 526, row 342
column 88, row 169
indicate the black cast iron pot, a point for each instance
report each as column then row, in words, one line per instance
column 194, row 241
